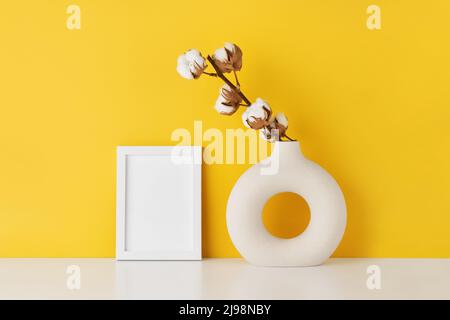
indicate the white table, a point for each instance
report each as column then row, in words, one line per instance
column 222, row 279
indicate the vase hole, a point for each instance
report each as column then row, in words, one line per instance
column 286, row 215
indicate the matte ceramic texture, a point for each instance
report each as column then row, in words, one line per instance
column 286, row 170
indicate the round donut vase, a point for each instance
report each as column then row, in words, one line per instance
column 286, row 170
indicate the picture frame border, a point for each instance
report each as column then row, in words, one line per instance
column 195, row 163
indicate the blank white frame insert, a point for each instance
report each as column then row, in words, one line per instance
column 158, row 213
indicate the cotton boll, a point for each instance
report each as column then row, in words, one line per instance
column 228, row 101
column 191, row 64
column 257, row 115
column 231, row 96
column 228, row 58
column 281, row 119
column 221, row 58
column 260, row 109
column 195, row 58
column 230, row 46
column 244, row 119
column 183, row 68
column 223, row 108
column 221, row 55
column 236, row 56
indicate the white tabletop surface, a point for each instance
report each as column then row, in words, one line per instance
column 222, row 279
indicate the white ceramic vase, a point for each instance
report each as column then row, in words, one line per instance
column 286, row 170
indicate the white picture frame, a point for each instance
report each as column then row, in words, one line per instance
column 158, row 203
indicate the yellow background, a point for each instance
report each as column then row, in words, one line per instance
column 372, row 107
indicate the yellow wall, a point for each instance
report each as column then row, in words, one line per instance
column 372, row 107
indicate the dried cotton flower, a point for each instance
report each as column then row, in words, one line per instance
column 276, row 128
column 228, row 58
column 228, row 101
column 191, row 64
column 281, row 122
column 257, row 116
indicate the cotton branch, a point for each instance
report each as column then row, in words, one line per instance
column 228, row 82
